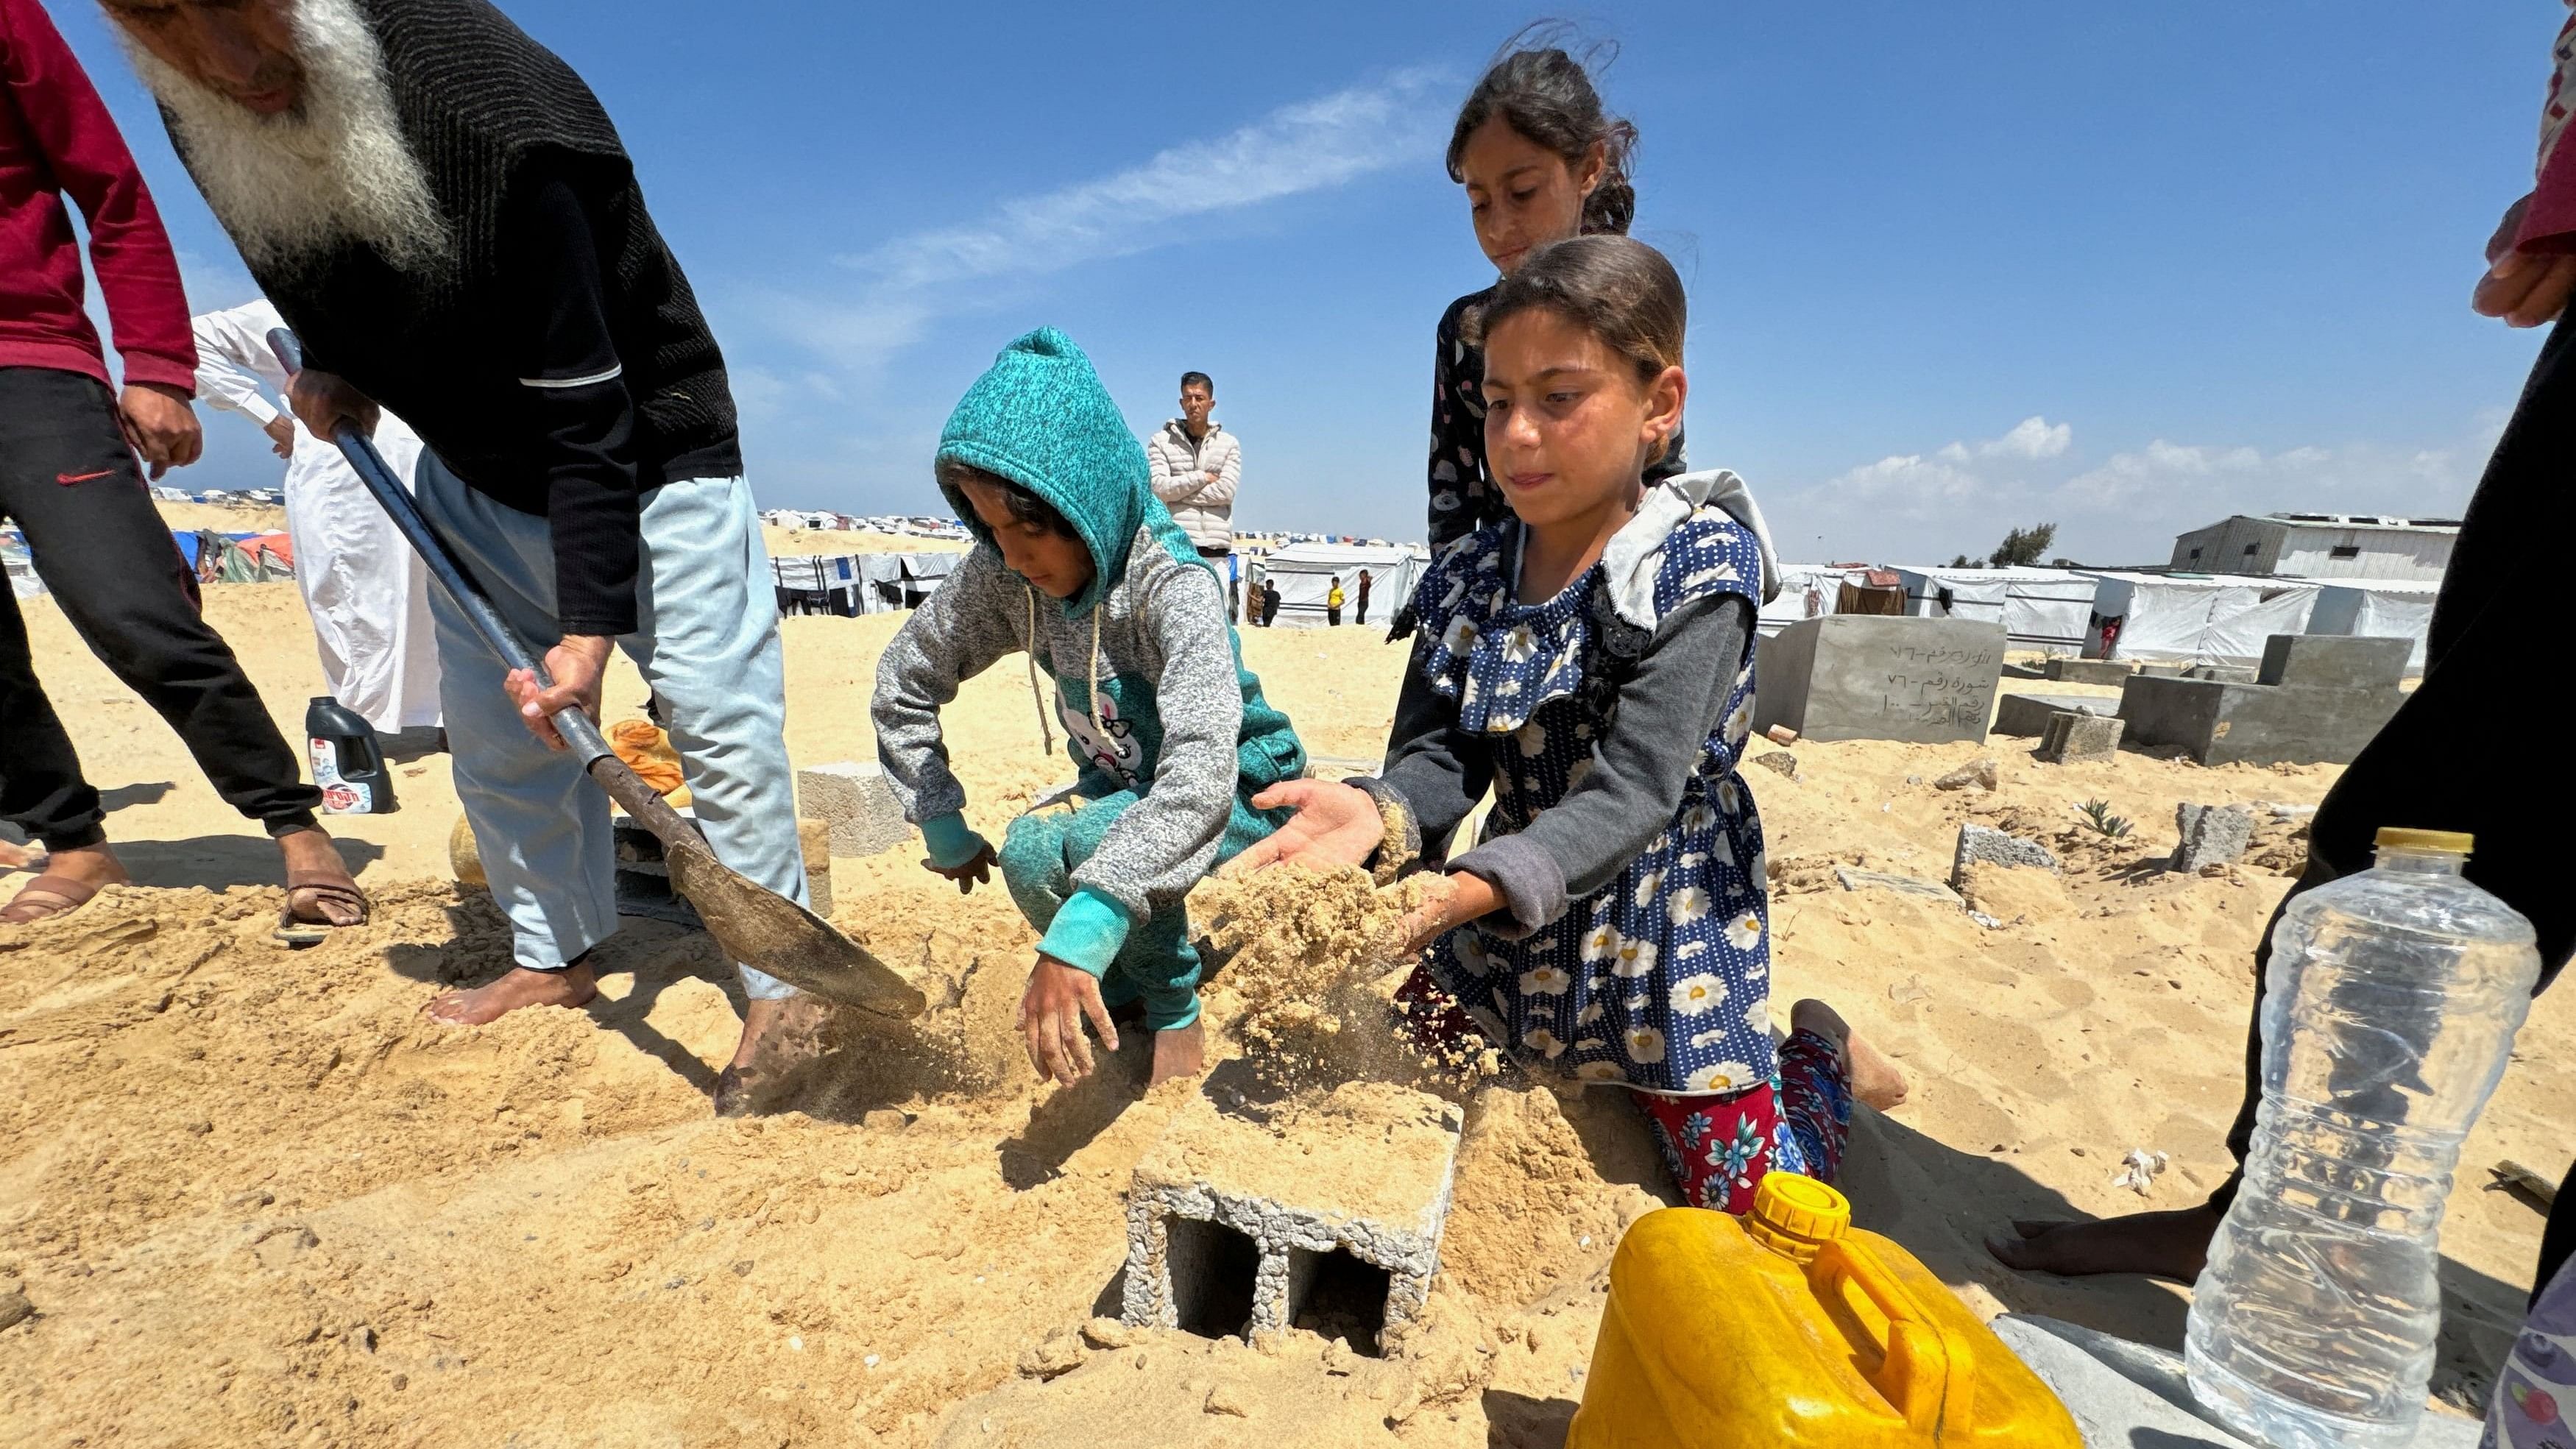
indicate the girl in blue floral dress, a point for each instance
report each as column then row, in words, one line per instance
column 1590, row 660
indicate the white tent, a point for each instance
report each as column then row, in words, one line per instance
column 1304, row 573
column 2045, row 609
column 2195, row 618
column 2380, row 608
column 857, row 583
column 1807, row 591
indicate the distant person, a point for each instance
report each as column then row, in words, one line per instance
column 69, row 479
column 1196, row 465
column 2413, row 773
column 1362, row 618
column 1333, row 602
column 367, row 590
column 1076, row 564
column 1541, row 161
column 1269, row 603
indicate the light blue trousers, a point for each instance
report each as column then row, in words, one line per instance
column 707, row 643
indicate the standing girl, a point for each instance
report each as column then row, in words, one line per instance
column 1541, row 161
column 1591, row 661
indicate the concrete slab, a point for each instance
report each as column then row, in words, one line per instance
column 2027, row 714
column 854, row 801
column 1322, row 1214
column 2334, row 661
column 1853, row 879
column 2072, row 736
column 1984, row 845
column 2128, row 1395
column 2089, row 671
column 1864, row 677
column 2225, row 673
column 2220, row 724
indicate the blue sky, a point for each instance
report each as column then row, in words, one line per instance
column 1953, row 268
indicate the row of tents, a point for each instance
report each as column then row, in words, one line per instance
column 217, row 558
column 2115, row 613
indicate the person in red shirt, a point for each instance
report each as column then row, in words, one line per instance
column 71, row 481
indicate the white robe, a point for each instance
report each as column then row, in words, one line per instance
column 368, row 592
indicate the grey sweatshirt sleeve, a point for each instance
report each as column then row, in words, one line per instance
column 1434, row 769
column 977, row 614
column 1168, row 839
column 1666, row 712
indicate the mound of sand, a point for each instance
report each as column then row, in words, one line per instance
column 255, row 1198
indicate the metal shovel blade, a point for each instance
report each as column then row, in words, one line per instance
column 784, row 939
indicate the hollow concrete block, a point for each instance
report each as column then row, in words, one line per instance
column 2028, row 714
column 855, row 804
column 2072, row 736
column 1239, row 1223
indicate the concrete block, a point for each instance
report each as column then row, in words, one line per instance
column 1239, row 1223
column 1987, row 845
column 1984, row 845
column 856, row 803
column 2071, row 736
column 1854, row 879
column 2225, row 673
column 2210, row 835
column 2161, row 671
column 2217, row 723
column 1868, row 677
column 814, row 840
column 2089, row 671
column 2334, row 661
column 2027, row 714
column 2128, row 1395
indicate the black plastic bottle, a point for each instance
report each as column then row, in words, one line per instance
column 347, row 762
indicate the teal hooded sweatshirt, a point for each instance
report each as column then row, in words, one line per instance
column 1144, row 671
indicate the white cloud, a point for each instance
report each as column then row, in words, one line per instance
column 1910, row 482
column 2032, row 437
column 1312, row 145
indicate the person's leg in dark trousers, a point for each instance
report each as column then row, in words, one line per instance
column 42, row 791
column 2414, row 773
column 68, row 480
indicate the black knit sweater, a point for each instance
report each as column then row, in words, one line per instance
column 558, row 363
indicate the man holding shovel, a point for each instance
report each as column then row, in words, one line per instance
column 444, row 214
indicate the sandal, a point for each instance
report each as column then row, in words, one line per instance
column 301, row 931
column 47, row 896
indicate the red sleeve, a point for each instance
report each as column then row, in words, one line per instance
column 129, row 251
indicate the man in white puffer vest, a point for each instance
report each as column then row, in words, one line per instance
column 1196, row 465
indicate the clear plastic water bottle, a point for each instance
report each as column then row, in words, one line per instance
column 2388, row 1015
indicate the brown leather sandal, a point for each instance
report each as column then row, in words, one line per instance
column 297, row 930
column 47, row 896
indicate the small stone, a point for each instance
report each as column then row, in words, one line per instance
column 1338, row 1358
column 251, row 1197
column 1781, row 761
column 742, row 1269
column 1983, row 774
column 1984, row 845
column 1058, row 1356
column 201, row 1126
column 885, row 1119
column 15, row 1309
column 1229, row 1399
column 1108, row 1333
column 1781, row 735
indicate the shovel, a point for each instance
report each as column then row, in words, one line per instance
column 752, row 924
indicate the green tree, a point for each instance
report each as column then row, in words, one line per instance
column 2023, row 546
column 1963, row 562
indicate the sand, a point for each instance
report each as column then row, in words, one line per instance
column 255, row 1198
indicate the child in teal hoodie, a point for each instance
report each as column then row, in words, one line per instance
column 1079, row 564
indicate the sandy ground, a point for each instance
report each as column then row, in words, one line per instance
column 256, row 1199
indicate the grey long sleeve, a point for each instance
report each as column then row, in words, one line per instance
column 1667, row 711
column 957, row 633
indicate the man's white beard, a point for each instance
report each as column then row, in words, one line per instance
column 292, row 187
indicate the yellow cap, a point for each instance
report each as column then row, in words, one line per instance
column 1794, row 1215
column 2457, row 842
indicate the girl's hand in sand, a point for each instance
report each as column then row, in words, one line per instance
column 968, row 876
column 1051, row 1013
column 2523, row 288
column 1335, row 825
column 1449, row 902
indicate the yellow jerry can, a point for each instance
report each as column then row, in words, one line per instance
column 1790, row 1327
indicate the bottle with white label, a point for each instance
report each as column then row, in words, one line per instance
column 348, row 763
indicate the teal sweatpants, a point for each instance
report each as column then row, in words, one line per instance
column 1158, row 965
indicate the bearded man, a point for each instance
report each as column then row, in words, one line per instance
column 442, row 211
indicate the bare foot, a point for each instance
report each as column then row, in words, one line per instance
column 777, row 1037
column 1874, row 1079
column 80, row 874
column 329, row 895
column 1180, row 1052
column 571, row 986
column 2172, row 1244
column 13, row 855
